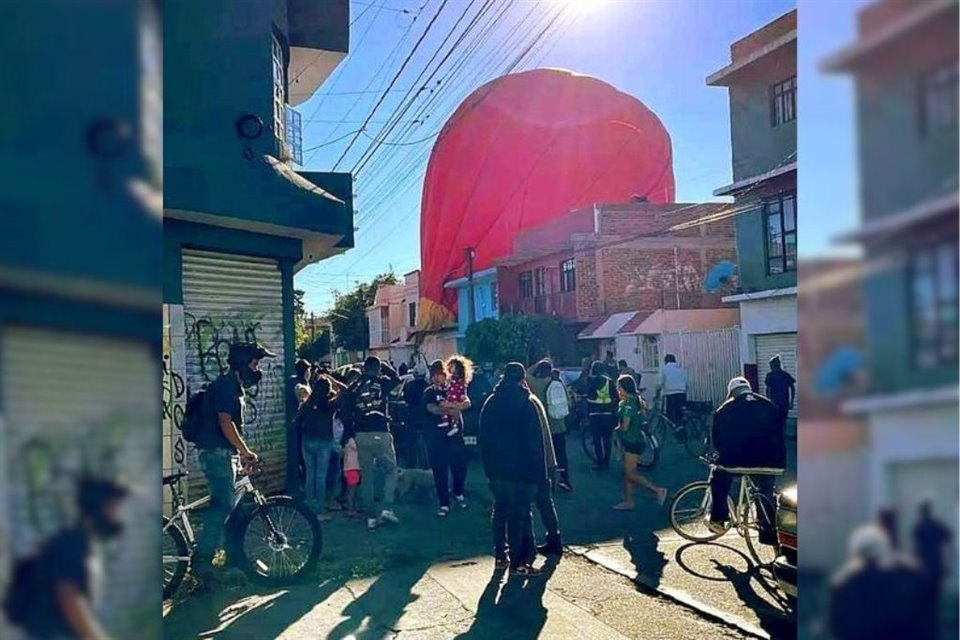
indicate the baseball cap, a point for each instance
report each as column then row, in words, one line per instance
column 437, row 367
column 737, row 383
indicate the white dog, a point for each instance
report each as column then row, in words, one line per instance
column 414, row 485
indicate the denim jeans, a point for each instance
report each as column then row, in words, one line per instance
column 316, row 459
column 220, row 468
column 376, row 453
column 512, row 521
column 548, row 513
column 601, row 428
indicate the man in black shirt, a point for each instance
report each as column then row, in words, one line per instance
column 747, row 433
column 366, row 400
column 780, row 387
column 417, row 418
column 222, row 450
column 447, row 453
column 931, row 545
column 56, row 592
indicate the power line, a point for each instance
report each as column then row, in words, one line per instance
column 392, row 82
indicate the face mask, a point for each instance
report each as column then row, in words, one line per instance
column 249, row 377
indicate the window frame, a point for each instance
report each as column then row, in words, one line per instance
column 540, row 288
column 568, row 276
column 411, row 314
column 278, row 91
column 765, row 216
column 920, row 344
column 930, row 87
column 783, row 94
column 526, row 285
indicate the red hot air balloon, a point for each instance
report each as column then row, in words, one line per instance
column 524, row 149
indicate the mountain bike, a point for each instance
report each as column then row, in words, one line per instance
column 649, row 457
column 693, row 431
column 273, row 539
column 690, row 511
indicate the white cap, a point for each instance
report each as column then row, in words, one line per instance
column 870, row 542
column 737, row 383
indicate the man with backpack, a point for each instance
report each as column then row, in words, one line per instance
column 366, row 402
column 216, row 428
column 55, row 592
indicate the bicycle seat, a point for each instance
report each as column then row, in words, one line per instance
column 752, row 471
column 174, row 478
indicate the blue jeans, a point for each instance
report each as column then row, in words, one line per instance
column 316, row 458
column 220, row 468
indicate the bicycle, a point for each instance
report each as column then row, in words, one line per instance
column 690, row 511
column 649, row 457
column 273, row 539
column 693, row 432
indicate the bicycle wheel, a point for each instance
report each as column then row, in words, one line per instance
column 697, row 442
column 586, row 439
column 658, row 429
column 690, row 511
column 651, row 451
column 287, row 550
column 176, row 557
column 749, row 527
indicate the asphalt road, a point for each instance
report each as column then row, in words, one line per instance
column 625, row 575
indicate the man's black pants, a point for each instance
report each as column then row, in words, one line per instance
column 720, row 488
column 512, row 521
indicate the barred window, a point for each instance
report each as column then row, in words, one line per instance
column 568, row 275
column 933, row 305
column 783, row 101
column 780, row 219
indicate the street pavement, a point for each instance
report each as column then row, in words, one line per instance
column 625, row 575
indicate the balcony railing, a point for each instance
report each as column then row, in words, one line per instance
column 562, row 304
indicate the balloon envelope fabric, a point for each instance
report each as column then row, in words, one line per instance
column 521, row 150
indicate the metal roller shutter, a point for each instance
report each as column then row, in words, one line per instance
column 769, row 345
column 228, row 298
column 75, row 403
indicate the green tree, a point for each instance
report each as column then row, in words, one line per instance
column 349, row 313
column 302, row 335
column 521, row 338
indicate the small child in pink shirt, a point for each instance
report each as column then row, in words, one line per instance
column 351, row 475
column 460, row 371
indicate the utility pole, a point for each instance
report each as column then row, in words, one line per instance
column 473, row 306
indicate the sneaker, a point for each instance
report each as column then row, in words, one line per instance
column 526, row 571
column 372, row 523
column 442, row 512
column 389, row 516
column 716, row 527
column 462, row 501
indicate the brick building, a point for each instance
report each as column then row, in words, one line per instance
column 600, row 263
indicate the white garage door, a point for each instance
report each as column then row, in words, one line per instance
column 228, row 298
column 912, row 482
column 76, row 404
column 771, row 344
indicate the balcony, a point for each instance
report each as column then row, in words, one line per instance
column 319, row 40
column 563, row 304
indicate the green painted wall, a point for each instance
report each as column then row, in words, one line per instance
column 888, row 115
column 751, row 240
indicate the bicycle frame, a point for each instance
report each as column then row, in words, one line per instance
column 747, row 495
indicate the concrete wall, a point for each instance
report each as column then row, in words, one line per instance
column 888, row 116
column 769, row 315
column 758, row 146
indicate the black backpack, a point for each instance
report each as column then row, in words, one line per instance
column 24, row 591
column 195, row 417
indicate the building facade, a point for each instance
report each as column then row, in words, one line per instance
column 239, row 220
column 904, row 65
column 761, row 80
column 393, row 320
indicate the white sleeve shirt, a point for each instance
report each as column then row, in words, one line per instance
column 673, row 379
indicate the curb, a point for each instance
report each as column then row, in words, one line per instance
column 676, row 595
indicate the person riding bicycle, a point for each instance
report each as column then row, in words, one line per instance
column 366, row 402
column 673, row 388
column 222, row 450
column 747, row 433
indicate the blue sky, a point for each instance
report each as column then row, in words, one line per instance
column 658, row 51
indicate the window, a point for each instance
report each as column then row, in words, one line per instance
column 933, row 305
column 938, row 99
column 783, row 101
column 412, row 314
column 279, row 92
column 568, row 275
column 526, row 284
column 780, row 221
column 540, row 281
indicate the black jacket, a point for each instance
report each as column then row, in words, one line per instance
column 748, row 432
column 314, row 419
column 370, row 419
column 869, row 602
column 511, row 440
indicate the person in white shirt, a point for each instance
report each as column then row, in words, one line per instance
column 673, row 387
